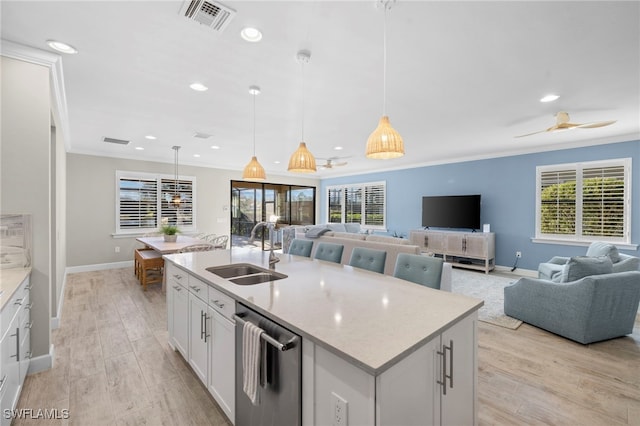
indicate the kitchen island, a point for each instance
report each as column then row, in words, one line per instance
column 378, row 344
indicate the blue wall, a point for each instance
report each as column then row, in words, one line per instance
column 508, row 188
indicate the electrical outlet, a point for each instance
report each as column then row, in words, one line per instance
column 518, row 254
column 117, row 249
column 339, row 407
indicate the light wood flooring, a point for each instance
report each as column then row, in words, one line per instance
column 114, row 367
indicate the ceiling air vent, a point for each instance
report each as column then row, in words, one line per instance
column 114, row 140
column 201, row 135
column 210, row 13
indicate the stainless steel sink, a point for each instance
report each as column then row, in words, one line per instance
column 245, row 273
column 262, row 277
column 236, row 270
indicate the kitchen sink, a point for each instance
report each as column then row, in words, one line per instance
column 236, row 270
column 245, row 273
column 262, row 277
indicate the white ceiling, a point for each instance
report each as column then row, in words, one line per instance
column 463, row 78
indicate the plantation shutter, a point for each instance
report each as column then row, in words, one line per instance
column 353, row 205
column 335, row 205
column 138, row 204
column 603, row 201
column 558, row 202
column 374, row 204
column 181, row 215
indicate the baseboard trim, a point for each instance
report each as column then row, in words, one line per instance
column 55, row 321
column 42, row 362
column 99, row 267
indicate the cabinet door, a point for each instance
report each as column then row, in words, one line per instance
column 199, row 334
column 436, row 242
column 180, row 318
column 222, row 363
column 407, row 393
column 459, row 403
column 456, row 244
column 476, row 245
column 10, row 371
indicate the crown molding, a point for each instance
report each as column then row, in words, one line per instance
column 58, row 94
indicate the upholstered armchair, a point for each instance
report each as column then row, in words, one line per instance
column 586, row 309
column 552, row 269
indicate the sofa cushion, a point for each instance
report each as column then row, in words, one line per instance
column 352, row 227
column 599, row 248
column 316, row 231
column 584, row 266
column 336, row 227
column 388, row 240
column 349, row 235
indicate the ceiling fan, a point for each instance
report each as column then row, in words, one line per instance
column 330, row 162
column 562, row 123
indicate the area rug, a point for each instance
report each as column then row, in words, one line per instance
column 488, row 287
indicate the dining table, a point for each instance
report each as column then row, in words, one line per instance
column 165, row 247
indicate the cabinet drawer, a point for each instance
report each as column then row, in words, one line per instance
column 176, row 274
column 222, row 303
column 14, row 306
column 198, row 287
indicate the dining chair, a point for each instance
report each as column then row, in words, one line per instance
column 329, row 251
column 370, row 259
column 220, row 242
column 424, row 270
column 301, row 247
column 196, row 247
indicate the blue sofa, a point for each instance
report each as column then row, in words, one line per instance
column 590, row 309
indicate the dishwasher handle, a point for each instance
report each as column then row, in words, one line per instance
column 273, row 342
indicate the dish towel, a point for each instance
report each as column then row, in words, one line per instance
column 251, row 346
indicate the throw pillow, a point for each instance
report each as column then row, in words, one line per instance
column 583, row 266
column 316, row 232
column 599, row 248
column 352, row 227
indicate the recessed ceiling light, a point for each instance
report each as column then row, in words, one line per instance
column 199, row 87
column 338, row 148
column 251, row 34
column 150, row 137
column 549, row 98
column 62, row 47
column 276, row 162
column 196, row 155
column 215, row 147
column 139, row 148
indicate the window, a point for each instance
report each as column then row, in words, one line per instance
column 358, row 203
column 144, row 201
column 584, row 201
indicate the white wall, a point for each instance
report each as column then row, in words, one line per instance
column 91, row 204
column 25, row 171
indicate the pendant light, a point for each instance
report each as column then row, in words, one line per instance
column 176, row 197
column 302, row 160
column 385, row 142
column 254, row 170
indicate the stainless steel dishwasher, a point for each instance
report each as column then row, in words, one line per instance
column 280, row 386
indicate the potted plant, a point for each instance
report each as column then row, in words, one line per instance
column 170, row 232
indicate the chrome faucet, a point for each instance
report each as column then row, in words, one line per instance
column 273, row 259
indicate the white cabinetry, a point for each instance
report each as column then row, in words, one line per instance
column 201, row 328
column 15, row 347
column 463, row 249
column 435, row 385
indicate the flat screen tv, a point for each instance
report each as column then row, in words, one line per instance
column 451, row 211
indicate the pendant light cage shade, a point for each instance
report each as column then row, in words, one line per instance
column 302, row 161
column 254, row 170
column 384, row 142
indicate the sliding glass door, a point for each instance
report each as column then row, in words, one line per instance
column 253, row 202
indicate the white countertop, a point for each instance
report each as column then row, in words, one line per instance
column 10, row 280
column 370, row 319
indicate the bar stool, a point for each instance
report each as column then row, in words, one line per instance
column 149, row 267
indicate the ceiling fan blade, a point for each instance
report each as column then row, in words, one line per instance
column 534, row 133
column 344, row 163
column 596, row 124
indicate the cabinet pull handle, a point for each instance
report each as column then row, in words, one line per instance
column 29, row 306
column 194, row 288
column 29, row 355
column 29, row 325
column 177, row 277
column 202, row 331
column 2, row 382
column 205, row 327
column 450, row 376
column 177, row 288
column 17, row 336
column 218, row 304
column 18, row 302
column 426, row 241
column 443, row 382
column 28, row 287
